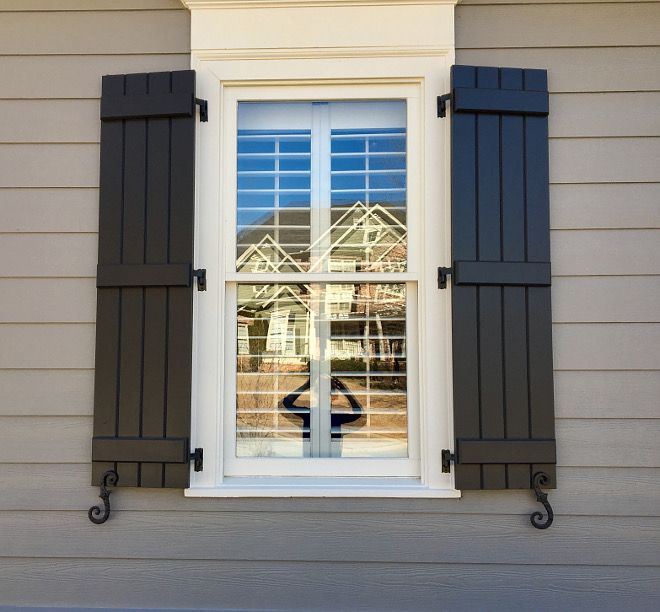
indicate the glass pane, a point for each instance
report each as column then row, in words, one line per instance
column 321, row 370
column 342, row 164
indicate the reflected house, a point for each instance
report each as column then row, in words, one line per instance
column 360, row 324
column 273, row 336
column 265, row 256
column 285, row 330
column 363, row 238
column 284, row 324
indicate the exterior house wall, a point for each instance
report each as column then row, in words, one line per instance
column 164, row 550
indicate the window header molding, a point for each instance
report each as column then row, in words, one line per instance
column 319, row 29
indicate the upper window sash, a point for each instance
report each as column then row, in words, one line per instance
column 398, row 223
column 321, row 187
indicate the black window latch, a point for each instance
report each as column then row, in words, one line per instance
column 447, row 458
column 200, row 275
column 203, row 109
column 197, row 457
column 442, row 104
column 443, row 273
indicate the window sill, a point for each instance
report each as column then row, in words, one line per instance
column 306, row 487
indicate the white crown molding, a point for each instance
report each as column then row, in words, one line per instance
column 243, row 4
column 314, row 53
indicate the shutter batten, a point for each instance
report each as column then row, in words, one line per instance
column 500, row 101
column 144, row 296
column 502, row 345
column 501, row 273
column 141, row 450
column 144, row 275
column 505, row 451
column 148, row 105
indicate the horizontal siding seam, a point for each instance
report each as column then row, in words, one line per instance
column 57, row 276
column 185, row 53
column 582, row 275
column 609, row 323
column 543, row 47
column 551, row 3
column 332, row 561
column 96, row 54
column 476, row 4
column 586, row 229
column 550, row 47
column 112, row 11
column 606, row 370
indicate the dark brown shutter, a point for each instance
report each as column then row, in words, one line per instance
column 502, row 341
column 144, row 297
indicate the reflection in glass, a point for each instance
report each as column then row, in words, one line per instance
column 321, row 187
column 321, row 370
column 273, row 199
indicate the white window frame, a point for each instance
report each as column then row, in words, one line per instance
column 322, row 75
column 319, row 467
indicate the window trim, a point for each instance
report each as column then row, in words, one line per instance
column 320, row 467
column 431, row 75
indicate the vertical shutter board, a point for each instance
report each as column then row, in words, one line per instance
column 515, row 379
column 499, row 207
column 488, row 174
column 491, row 378
column 106, row 383
column 541, row 394
column 109, row 299
column 516, row 406
column 132, row 303
column 466, row 378
column 155, row 305
column 149, row 164
column 464, row 303
column 489, row 299
column 179, row 356
column 537, row 194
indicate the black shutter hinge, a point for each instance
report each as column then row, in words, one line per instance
column 447, row 458
column 197, row 457
column 443, row 273
column 203, row 109
column 442, row 104
column 200, row 275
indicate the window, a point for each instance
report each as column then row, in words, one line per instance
column 321, row 188
column 322, row 307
